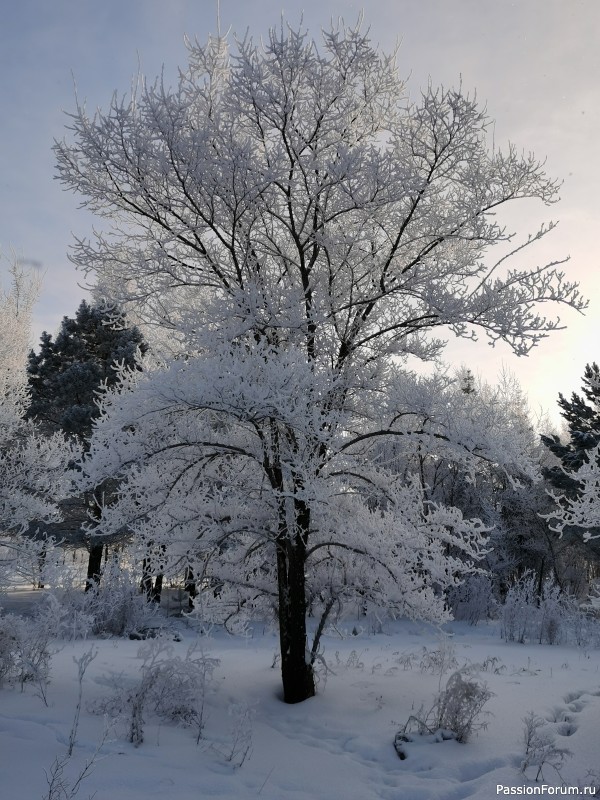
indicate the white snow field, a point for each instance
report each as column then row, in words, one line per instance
column 336, row 746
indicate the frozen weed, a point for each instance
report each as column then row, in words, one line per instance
column 540, row 747
column 439, row 661
column 590, row 784
column 172, row 687
column 456, row 711
column 60, row 786
column 490, row 664
column 241, row 734
column 407, row 660
column 353, row 661
column 83, row 663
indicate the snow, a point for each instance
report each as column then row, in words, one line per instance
column 338, row 744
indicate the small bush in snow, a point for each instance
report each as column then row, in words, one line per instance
column 552, row 618
column 172, row 687
column 455, row 714
column 25, row 651
column 115, row 607
column 459, row 707
column 519, row 612
column 553, row 611
column 67, row 615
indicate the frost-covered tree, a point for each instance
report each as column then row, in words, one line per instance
column 497, row 478
column 302, row 229
column 511, row 495
column 32, row 466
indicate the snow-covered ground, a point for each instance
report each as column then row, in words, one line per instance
column 336, row 746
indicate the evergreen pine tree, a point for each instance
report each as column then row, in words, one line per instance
column 67, row 373
column 582, row 415
column 65, row 377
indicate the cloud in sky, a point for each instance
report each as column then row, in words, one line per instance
column 535, row 63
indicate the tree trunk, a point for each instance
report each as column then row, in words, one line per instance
column 146, row 582
column 296, row 669
column 94, row 565
column 94, row 569
column 39, row 584
column 189, row 586
column 157, row 588
column 540, row 585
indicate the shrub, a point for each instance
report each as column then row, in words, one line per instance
column 473, row 599
column 172, row 687
column 552, row 618
column 455, row 714
column 460, row 706
column 553, row 612
column 115, row 607
column 519, row 613
column 25, row 651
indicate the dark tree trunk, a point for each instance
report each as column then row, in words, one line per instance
column 94, row 569
column 296, row 663
column 146, row 582
column 94, row 565
column 296, row 668
column 189, row 586
column 157, row 588
column 39, row 584
column 540, row 586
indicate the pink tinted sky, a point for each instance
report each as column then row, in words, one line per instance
column 534, row 63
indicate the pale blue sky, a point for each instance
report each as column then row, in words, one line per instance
column 535, row 63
